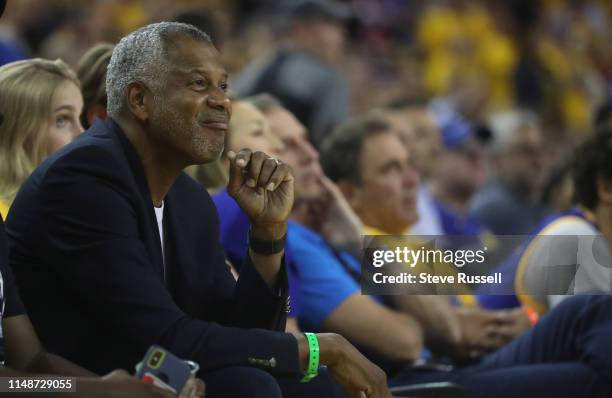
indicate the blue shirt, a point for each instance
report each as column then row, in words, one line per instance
column 234, row 229
column 327, row 277
column 461, row 230
column 454, row 223
column 10, row 52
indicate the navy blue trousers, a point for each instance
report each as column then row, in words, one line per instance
column 255, row 383
column 567, row 354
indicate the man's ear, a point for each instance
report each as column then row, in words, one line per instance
column 350, row 192
column 138, row 100
column 604, row 191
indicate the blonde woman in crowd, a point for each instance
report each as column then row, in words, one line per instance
column 40, row 103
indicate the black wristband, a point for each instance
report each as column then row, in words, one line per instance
column 266, row 247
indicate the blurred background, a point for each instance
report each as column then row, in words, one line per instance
column 549, row 56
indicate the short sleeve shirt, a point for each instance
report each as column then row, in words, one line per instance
column 325, row 283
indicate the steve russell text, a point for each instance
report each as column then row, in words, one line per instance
column 425, row 277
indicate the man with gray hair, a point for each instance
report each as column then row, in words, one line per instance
column 124, row 247
column 506, row 204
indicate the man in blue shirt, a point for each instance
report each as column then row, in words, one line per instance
column 322, row 235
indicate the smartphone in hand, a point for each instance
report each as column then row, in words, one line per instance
column 163, row 369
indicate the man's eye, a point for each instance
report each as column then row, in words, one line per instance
column 200, row 83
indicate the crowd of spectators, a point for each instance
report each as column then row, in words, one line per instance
column 455, row 118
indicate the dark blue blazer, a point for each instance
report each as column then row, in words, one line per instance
column 86, row 254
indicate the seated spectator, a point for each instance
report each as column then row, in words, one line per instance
column 317, row 242
column 539, row 362
column 249, row 128
column 558, row 188
column 506, row 204
column 91, row 71
column 457, row 172
column 569, row 252
column 24, row 356
column 415, row 121
column 41, row 103
column 302, row 73
column 111, row 234
column 557, row 196
column 385, row 174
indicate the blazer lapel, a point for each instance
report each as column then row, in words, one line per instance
column 151, row 231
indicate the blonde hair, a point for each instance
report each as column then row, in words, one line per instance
column 26, row 93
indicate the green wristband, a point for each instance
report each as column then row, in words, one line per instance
column 313, row 357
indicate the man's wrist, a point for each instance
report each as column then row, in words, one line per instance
column 313, row 357
column 329, row 349
column 303, row 351
column 269, row 231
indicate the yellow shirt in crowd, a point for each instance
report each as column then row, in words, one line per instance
column 3, row 209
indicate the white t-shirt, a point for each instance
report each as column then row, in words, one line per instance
column 159, row 214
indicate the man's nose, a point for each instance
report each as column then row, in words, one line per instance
column 218, row 100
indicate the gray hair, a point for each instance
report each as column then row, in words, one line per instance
column 139, row 56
